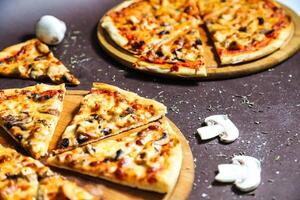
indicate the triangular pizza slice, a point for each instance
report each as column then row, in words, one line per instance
column 148, row 157
column 245, row 30
column 30, row 115
column 34, row 60
column 23, row 177
column 182, row 55
column 108, row 110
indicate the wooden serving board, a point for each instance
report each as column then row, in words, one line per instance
column 104, row 189
column 214, row 71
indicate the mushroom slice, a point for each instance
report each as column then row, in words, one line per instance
column 245, row 172
column 219, row 125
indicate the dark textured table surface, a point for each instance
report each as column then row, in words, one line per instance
column 264, row 106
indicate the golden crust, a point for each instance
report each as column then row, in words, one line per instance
column 167, row 69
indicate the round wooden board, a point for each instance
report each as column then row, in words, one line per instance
column 290, row 47
column 107, row 190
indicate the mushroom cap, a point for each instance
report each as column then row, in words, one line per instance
column 230, row 133
column 253, row 168
column 244, row 172
column 50, row 29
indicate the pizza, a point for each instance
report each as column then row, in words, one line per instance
column 182, row 56
column 166, row 36
column 33, row 60
column 148, row 157
column 22, row 177
column 108, row 110
column 247, row 29
column 166, row 30
column 30, row 115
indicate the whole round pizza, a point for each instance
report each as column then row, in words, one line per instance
column 170, row 37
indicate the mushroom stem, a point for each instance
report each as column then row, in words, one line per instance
column 208, row 132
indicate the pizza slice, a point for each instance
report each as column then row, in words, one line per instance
column 30, row 115
column 108, row 110
column 184, row 55
column 148, row 157
column 33, row 59
column 22, row 177
column 137, row 25
column 245, row 30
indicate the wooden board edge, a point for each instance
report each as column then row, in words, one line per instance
column 184, row 184
column 231, row 71
column 185, row 180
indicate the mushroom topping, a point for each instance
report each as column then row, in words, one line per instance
column 119, row 153
column 219, row 125
column 50, row 30
column 164, row 139
column 245, row 172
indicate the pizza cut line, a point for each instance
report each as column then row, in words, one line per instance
column 108, row 110
column 148, row 158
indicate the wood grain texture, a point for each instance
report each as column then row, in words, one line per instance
column 290, row 47
column 105, row 189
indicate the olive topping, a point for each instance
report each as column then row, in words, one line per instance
column 188, row 9
column 19, row 137
column 243, row 29
column 198, row 42
column 82, row 138
column 129, row 110
column 269, row 32
column 233, row 46
column 261, row 20
column 65, row 143
column 37, row 97
column 106, row 131
column 142, row 155
column 138, row 45
column 159, row 53
column 118, row 154
column 164, row 32
column 8, row 125
column 13, row 176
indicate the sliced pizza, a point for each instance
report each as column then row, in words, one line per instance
column 30, row 115
column 138, row 25
column 247, row 29
column 181, row 56
column 108, row 110
column 34, row 60
column 22, row 177
column 148, row 157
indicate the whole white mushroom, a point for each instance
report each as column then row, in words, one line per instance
column 50, row 29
